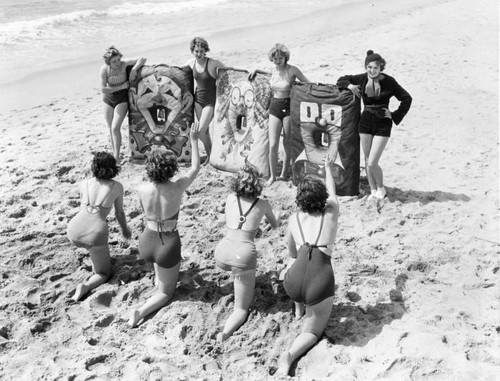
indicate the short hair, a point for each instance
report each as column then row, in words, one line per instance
column 248, row 182
column 161, row 166
column 104, row 166
column 199, row 41
column 279, row 49
column 110, row 53
column 311, row 195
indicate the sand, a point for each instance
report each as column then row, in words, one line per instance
column 417, row 273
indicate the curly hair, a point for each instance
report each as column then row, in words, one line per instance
column 248, row 182
column 110, row 53
column 279, row 49
column 311, row 195
column 104, row 166
column 375, row 57
column 199, row 41
column 161, row 166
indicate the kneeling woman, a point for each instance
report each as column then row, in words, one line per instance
column 89, row 229
column 237, row 252
column 310, row 281
column 160, row 242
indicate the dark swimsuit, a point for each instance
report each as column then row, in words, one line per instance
column 162, row 248
column 237, row 249
column 89, row 227
column 310, row 279
column 120, row 96
column 205, row 87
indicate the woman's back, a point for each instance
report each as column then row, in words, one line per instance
column 98, row 196
column 161, row 203
column 235, row 216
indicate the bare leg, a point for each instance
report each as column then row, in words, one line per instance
column 274, row 139
column 366, row 144
column 101, row 266
column 205, row 116
column 377, row 148
column 287, row 146
column 244, row 289
column 116, row 139
column 315, row 322
column 108, row 115
column 299, row 310
column 167, row 281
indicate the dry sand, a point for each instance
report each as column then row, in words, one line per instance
column 417, row 274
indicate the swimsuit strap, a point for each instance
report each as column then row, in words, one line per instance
column 206, row 66
column 309, row 246
column 243, row 217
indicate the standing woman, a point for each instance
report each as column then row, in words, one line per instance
column 309, row 281
column 282, row 77
column 376, row 89
column 160, row 242
column 205, row 73
column 236, row 252
column 114, row 87
column 89, row 229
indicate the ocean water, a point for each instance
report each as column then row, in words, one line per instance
column 40, row 35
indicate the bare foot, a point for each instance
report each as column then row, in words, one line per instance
column 134, row 318
column 81, row 290
column 284, row 364
column 221, row 337
column 299, row 311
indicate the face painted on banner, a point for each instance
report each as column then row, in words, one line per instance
column 160, row 100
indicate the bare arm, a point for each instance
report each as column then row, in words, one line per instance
column 330, row 183
column 104, row 83
column 273, row 218
column 254, row 72
column 190, row 175
column 299, row 75
column 120, row 213
column 292, row 248
column 138, row 63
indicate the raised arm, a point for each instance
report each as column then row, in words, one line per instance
column 330, row 183
column 187, row 179
column 120, row 213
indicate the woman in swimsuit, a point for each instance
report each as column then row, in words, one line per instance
column 282, row 77
column 237, row 252
column 114, row 87
column 160, row 242
column 309, row 281
column 89, row 229
column 205, row 73
column 376, row 89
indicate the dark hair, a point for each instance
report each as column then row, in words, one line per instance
column 375, row 57
column 161, row 166
column 104, row 166
column 279, row 49
column 199, row 41
column 311, row 196
column 110, row 53
column 248, row 182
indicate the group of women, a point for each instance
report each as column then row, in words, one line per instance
column 311, row 233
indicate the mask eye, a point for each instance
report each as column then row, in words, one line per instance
column 235, row 96
column 249, row 98
column 146, row 91
column 308, row 112
column 332, row 114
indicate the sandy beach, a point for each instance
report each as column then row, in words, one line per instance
column 417, row 273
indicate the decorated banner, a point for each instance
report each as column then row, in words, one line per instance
column 239, row 131
column 324, row 120
column 161, row 111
